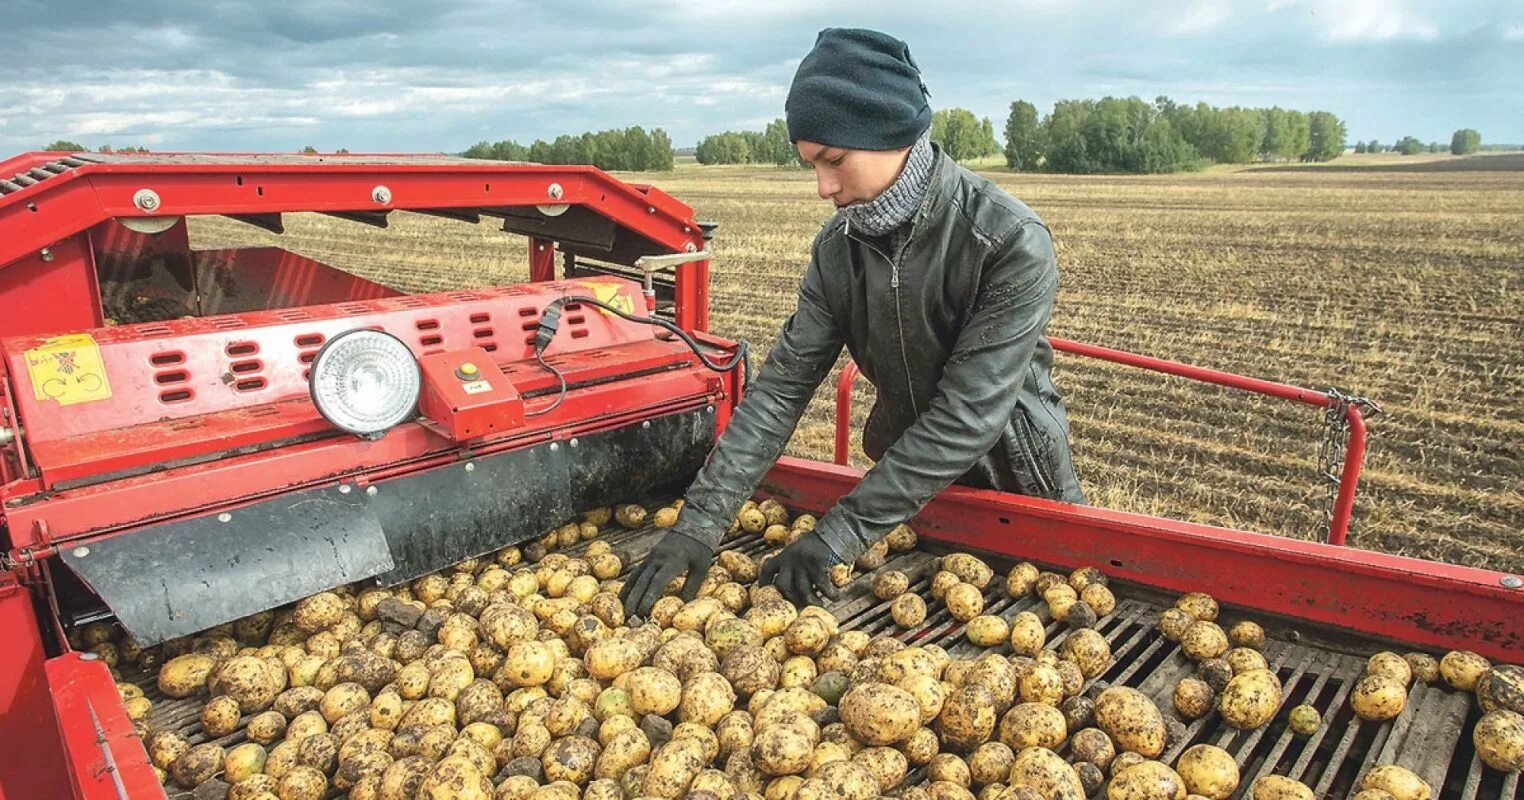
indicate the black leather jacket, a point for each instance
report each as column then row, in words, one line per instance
column 949, row 329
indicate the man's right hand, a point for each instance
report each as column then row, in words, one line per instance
column 675, row 554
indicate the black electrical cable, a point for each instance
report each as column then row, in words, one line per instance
column 550, row 322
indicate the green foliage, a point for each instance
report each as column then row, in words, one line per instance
column 1465, row 141
column 1114, row 135
column 1325, row 137
column 309, row 149
column 961, row 134
column 65, row 146
column 1373, row 146
column 1408, row 146
column 1360, row 146
column 631, row 149
column 771, row 146
column 1023, row 137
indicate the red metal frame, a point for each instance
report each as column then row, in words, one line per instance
column 1349, row 478
column 1407, row 600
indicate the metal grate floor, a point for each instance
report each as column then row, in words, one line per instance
column 1432, row 736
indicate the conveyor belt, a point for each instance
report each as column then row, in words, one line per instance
column 1432, row 736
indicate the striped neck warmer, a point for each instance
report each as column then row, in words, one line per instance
column 897, row 204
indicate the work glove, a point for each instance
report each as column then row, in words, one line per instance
column 801, row 568
column 675, row 554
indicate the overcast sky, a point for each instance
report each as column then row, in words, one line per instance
column 386, row 75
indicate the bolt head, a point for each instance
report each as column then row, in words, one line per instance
column 146, row 199
column 470, row 467
column 46, row 254
column 224, row 517
column 1513, row 581
column 555, row 192
column 381, row 195
column 371, row 491
column 81, row 552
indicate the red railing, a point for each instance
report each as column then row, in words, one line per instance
column 1354, row 454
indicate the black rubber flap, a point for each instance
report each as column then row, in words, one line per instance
column 179, row 578
column 440, row 517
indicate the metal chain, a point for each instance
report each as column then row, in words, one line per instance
column 1335, row 436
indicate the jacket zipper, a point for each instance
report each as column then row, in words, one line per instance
column 899, row 327
column 1045, row 483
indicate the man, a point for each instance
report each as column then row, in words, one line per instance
column 938, row 283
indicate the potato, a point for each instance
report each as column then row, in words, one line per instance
column 243, row 761
column 1088, row 650
column 1216, row 672
column 878, row 714
column 164, row 747
column 1020, row 580
column 1245, row 633
column 630, row 515
column 1499, row 740
column 197, row 764
column 1149, row 780
column 1397, row 781
column 1425, row 667
column 1090, row 745
column 987, row 630
column 1042, row 684
column 1202, row 640
column 1099, row 598
column 1173, row 622
column 1033, row 725
column 612, row 657
column 1304, row 720
column 1208, row 771
column 1131, row 719
column 454, row 778
column 1501, row 687
column 886, row 765
column 528, row 664
column 1378, row 698
column 137, row 708
column 624, row 751
column 1243, row 659
column 941, row 582
column 1251, row 699
column 254, row 787
column 219, row 717
column 342, row 700
column 654, row 691
column 185, row 675
column 890, row 584
column 969, row 569
column 806, row 635
column 1042, row 770
column 706, row 699
column 1462, row 669
column 319, row 612
column 968, row 718
column 750, row 669
column 908, row 610
column 248, row 681
column 1390, row 665
column 782, row 750
column 1199, row 605
column 1193, row 698
column 949, row 768
column 1278, row 787
column 570, row 759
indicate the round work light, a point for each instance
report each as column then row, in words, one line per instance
column 365, row 382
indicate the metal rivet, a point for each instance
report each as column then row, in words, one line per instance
column 370, row 490
column 690, row 248
column 574, row 441
column 470, row 467
column 708, row 409
column 88, row 657
column 650, row 209
column 554, row 447
column 554, row 191
column 1512, row 581
column 646, row 424
column 146, row 199
column 344, row 488
column 686, row 229
column 381, row 195
column 81, row 552
column 47, row 254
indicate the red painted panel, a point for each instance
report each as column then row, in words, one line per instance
column 44, row 293
column 31, row 758
column 106, row 760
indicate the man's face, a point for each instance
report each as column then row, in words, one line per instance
column 847, row 177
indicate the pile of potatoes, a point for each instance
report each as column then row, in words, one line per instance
column 519, row 676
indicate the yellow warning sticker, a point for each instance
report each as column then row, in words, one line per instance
column 609, row 293
column 68, row 369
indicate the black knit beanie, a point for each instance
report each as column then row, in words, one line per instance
column 858, row 89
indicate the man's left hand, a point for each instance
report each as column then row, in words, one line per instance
column 801, row 568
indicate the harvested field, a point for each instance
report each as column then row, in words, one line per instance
column 1402, row 286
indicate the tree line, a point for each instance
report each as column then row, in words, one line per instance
column 632, row 149
column 962, row 135
column 1115, row 134
column 1463, row 142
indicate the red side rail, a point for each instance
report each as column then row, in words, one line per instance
column 1349, row 477
column 1416, row 602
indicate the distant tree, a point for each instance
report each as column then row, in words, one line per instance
column 1435, row 148
column 343, row 151
column 65, row 146
column 1408, row 146
column 1023, row 137
column 988, row 144
column 1113, row 135
column 1465, row 141
column 659, row 152
column 1360, row 147
column 1325, row 137
column 309, row 149
column 1373, row 146
column 776, row 147
column 959, row 133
